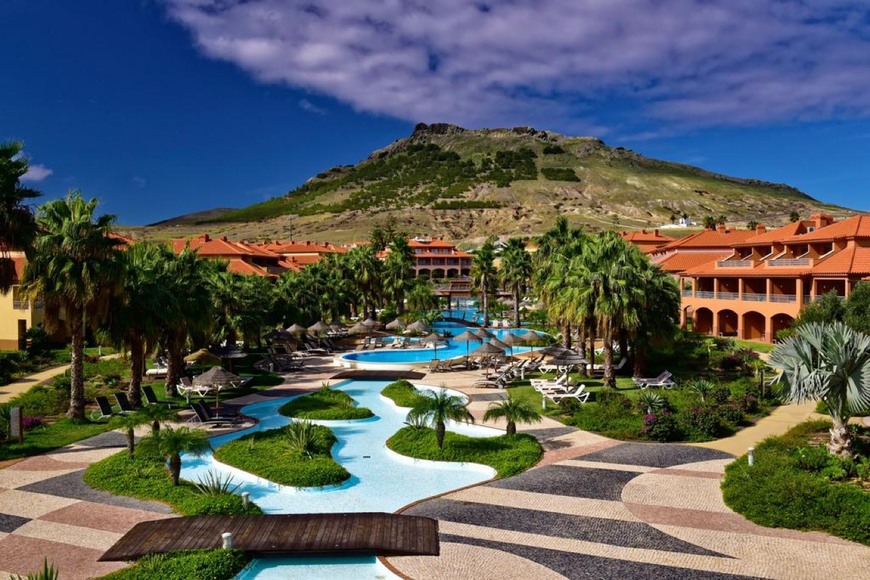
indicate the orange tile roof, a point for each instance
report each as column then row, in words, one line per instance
column 433, row 243
column 712, row 239
column 681, row 262
column 298, row 247
column 851, row 260
column 239, row 266
column 644, row 236
column 454, row 254
column 853, row 227
column 205, row 245
column 777, row 235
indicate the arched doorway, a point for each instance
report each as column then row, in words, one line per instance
column 727, row 323
column 703, row 321
column 753, row 326
column 780, row 322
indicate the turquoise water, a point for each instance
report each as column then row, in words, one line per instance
column 452, row 348
column 380, row 479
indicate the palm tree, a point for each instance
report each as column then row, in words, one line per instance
column 827, row 362
column 366, row 268
column 17, row 225
column 128, row 422
column 513, row 411
column 169, row 443
column 155, row 414
column 658, row 309
column 398, row 272
column 437, row 408
column 75, row 270
column 484, row 278
column 132, row 322
column 421, row 297
column 516, row 271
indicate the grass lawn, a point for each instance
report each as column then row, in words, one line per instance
column 508, row 455
column 270, row 455
column 146, row 478
column 52, row 436
column 402, row 393
column 183, row 565
column 325, row 405
column 756, row 346
column 795, row 483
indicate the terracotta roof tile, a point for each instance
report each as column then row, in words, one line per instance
column 778, row 234
column 433, row 243
column 683, row 261
column 852, row 260
column 709, row 239
column 853, row 227
column 238, row 266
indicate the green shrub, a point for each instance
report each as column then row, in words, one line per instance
column 43, row 400
column 272, row 455
column 185, row 565
column 553, row 150
column 789, row 487
column 402, row 393
column 559, row 174
column 325, row 405
column 703, row 422
column 508, row 455
column 661, row 427
column 146, row 478
column 731, row 413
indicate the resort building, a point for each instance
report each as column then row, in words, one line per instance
column 296, row 255
column 647, row 242
column 246, row 259
column 17, row 315
column 756, row 286
column 436, row 259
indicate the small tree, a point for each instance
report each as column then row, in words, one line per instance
column 435, row 409
column 709, row 222
column 794, row 216
column 857, row 308
column 827, row 362
column 513, row 411
column 751, row 225
column 128, row 423
column 170, row 443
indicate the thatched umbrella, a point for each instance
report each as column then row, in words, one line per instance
column 512, row 340
column 395, row 325
column 482, row 333
column 488, row 348
column 203, row 357
column 359, row 328
column 553, row 350
column 278, row 334
column 498, row 343
column 297, row 329
column 228, row 353
column 217, row 378
column 467, row 337
column 569, row 358
column 434, row 338
column 318, row 328
column 416, row 327
column 371, row 323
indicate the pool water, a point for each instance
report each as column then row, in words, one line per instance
column 381, row 480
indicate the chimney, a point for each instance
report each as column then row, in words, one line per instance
column 821, row 220
column 656, row 232
column 643, row 231
column 721, row 229
column 760, row 229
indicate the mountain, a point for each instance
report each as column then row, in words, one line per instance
column 461, row 183
column 195, row 217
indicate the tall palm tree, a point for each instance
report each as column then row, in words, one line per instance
column 437, row 408
column 75, row 270
column 398, row 272
column 484, row 277
column 827, row 362
column 132, row 320
column 169, row 443
column 366, row 268
column 17, row 224
column 513, row 411
column 658, row 310
column 516, row 271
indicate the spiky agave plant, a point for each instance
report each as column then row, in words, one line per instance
column 216, row 483
column 304, row 438
column 652, row 402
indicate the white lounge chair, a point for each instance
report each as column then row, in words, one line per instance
column 580, row 394
column 664, row 380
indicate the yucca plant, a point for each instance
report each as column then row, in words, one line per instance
column 216, row 483
column 652, row 402
column 304, row 438
column 48, row 572
column 702, row 388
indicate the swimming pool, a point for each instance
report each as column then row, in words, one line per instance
column 381, row 480
column 408, row 358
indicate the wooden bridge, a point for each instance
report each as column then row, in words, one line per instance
column 260, row 535
column 375, row 375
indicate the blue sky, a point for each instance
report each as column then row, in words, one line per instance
column 162, row 107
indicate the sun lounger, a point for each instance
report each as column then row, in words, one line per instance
column 664, row 380
column 151, row 397
column 596, row 368
column 205, row 416
column 578, row 394
column 124, row 403
column 104, row 409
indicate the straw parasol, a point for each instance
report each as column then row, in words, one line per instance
column 230, row 352
column 488, row 348
column 467, row 337
column 203, row 357
column 434, row 338
column 297, row 329
column 370, row 323
column 512, row 340
column 553, row 350
column 318, row 328
column 416, row 327
column 278, row 334
column 395, row 325
column 482, row 333
column 217, row 378
column 499, row 344
column 359, row 328
column 569, row 358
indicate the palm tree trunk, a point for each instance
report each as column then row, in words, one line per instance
column 623, row 343
column 639, row 361
column 439, row 433
column 609, row 380
column 137, row 359
column 485, row 309
column 517, row 306
column 175, row 468
column 77, row 381
column 511, row 428
column 841, row 440
column 131, row 441
column 566, row 334
column 175, row 363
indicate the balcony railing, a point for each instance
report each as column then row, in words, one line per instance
column 755, row 297
column 687, row 292
column 783, row 298
column 789, row 262
column 727, row 295
column 20, row 304
column 703, row 294
column 734, row 263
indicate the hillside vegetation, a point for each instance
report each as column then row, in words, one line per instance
column 461, row 183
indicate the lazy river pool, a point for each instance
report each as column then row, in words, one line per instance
column 381, row 480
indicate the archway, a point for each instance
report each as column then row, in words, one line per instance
column 727, row 323
column 780, row 322
column 703, row 321
column 753, row 326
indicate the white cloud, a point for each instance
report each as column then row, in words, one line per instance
column 139, row 181
column 580, row 63
column 36, row 173
column 310, row 107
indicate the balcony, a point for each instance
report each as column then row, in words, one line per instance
column 734, row 264
column 704, row 294
column 754, row 297
column 727, row 296
column 789, row 262
column 20, row 305
column 687, row 292
column 783, row 298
